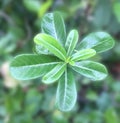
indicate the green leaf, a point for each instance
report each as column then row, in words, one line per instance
column 29, row 66
column 99, row 41
column 83, row 54
column 38, row 49
column 66, row 91
column 90, row 69
column 55, row 73
column 51, row 44
column 71, row 41
column 53, row 24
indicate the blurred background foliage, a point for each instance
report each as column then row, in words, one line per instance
column 32, row 101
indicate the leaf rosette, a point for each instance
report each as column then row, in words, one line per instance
column 57, row 56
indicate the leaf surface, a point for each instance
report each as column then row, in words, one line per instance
column 51, row 44
column 71, row 41
column 53, row 24
column 38, row 49
column 55, row 73
column 83, row 54
column 99, row 41
column 30, row 66
column 66, row 91
column 90, row 69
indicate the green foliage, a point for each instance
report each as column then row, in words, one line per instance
column 63, row 60
column 83, row 54
column 51, row 44
column 32, row 101
column 36, row 66
column 101, row 41
column 52, row 24
column 55, row 73
column 66, row 92
column 90, row 69
column 71, row 41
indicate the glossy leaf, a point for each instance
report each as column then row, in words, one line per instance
column 90, row 69
column 55, row 73
column 99, row 41
column 53, row 24
column 83, row 54
column 51, row 44
column 71, row 41
column 25, row 67
column 66, row 91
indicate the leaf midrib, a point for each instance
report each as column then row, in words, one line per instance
column 37, row 65
column 65, row 88
column 78, row 56
column 88, row 69
column 68, row 51
column 59, row 68
column 101, row 43
column 55, row 28
column 96, row 44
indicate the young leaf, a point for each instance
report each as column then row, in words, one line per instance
column 53, row 24
column 66, row 92
column 25, row 67
column 99, row 41
column 51, row 44
column 55, row 73
column 90, row 69
column 71, row 41
column 83, row 54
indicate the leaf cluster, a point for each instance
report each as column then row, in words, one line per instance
column 57, row 56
